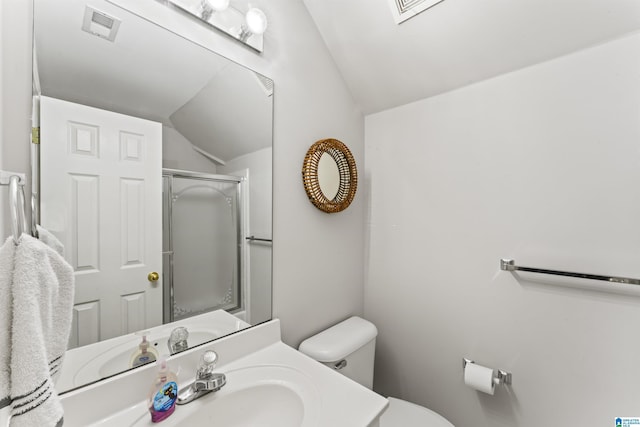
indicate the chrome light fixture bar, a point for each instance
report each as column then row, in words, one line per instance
column 247, row 27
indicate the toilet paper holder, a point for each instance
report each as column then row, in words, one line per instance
column 500, row 377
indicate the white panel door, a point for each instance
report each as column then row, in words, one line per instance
column 101, row 195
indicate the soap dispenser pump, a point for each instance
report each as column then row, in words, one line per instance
column 143, row 354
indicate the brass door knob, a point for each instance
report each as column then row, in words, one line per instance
column 153, row 276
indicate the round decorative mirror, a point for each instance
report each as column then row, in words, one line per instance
column 329, row 175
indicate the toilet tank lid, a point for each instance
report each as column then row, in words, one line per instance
column 340, row 340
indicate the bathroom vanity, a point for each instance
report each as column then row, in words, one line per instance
column 266, row 381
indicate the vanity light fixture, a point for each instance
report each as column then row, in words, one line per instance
column 218, row 5
column 247, row 27
column 255, row 23
column 209, row 7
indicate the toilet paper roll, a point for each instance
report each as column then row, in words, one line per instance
column 479, row 378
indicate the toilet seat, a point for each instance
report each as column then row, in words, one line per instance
column 401, row 413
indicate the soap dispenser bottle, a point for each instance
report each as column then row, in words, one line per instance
column 143, row 354
column 163, row 393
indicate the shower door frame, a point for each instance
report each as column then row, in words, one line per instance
column 167, row 245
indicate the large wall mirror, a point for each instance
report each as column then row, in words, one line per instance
column 156, row 174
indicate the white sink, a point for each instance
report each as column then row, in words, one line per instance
column 268, row 396
column 269, row 384
column 92, row 362
column 271, row 405
column 265, row 396
column 118, row 359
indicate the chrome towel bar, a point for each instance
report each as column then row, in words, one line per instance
column 16, row 182
column 257, row 239
column 509, row 265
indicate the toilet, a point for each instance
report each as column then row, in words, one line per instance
column 349, row 348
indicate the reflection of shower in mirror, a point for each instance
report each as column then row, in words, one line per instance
column 202, row 231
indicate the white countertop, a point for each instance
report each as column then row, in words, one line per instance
column 333, row 400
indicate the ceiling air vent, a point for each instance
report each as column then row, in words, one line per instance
column 405, row 9
column 100, row 24
column 265, row 83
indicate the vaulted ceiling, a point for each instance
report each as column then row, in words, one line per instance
column 149, row 72
column 457, row 42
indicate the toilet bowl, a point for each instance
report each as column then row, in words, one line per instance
column 349, row 348
column 401, row 413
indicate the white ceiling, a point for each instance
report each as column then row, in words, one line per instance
column 124, row 75
column 457, row 42
column 149, row 72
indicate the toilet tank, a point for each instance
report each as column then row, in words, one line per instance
column 348, row 347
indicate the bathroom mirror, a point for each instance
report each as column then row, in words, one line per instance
column 214, row 118
column 329, row 175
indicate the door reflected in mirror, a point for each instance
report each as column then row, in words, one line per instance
column 138, row 101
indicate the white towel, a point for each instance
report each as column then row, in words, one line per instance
column 41, row 289
column 50, row 240
column 6, row 278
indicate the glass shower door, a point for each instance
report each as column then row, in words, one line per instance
column 205, row 240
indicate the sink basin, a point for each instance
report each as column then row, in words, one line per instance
column 271, row 405
column 258, row 395
column 103, row 359
column 118, row 358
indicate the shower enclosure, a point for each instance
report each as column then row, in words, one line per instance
column 202, row 243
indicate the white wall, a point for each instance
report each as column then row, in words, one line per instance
column 257, row 168
column 3, row 194
column 178, row 153
column 318, row 260
column 15, row 103
column 15, row 89
column 540, row 165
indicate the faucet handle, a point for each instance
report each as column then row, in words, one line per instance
column 213, row 382
column 209, row 357
column 207, row 363
column 179, row 334
column 178, row 340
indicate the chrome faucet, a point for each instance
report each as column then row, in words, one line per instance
column 206, row 380
column 178, row 340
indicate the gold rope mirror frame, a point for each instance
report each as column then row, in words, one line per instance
column 348, row 175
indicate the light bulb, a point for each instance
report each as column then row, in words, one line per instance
column 256, row 21
column 219, row 5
